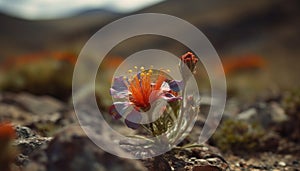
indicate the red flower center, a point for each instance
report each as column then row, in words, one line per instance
column 141, row 87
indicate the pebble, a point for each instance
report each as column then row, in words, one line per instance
column 212, row 160
column 205, row 149
column 282, row 164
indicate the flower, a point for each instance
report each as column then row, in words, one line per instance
column 187, row 65
column 190, row 60
column 140, row 90
column 8, row 152
column 7, row 132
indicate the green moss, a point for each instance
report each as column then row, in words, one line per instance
column 291, row 103
column 43, row 77
column 237, row 136
column 291, row 106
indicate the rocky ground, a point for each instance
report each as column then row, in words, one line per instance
column 260, row 127
column 49, row 138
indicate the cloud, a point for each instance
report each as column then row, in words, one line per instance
column 46, row 9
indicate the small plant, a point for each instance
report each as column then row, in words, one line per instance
column 150, row 99
column 237, row 136
column 291, row 105
column 144, row 89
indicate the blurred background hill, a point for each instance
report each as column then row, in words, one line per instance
column 268, row 29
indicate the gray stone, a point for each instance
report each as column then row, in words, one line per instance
column 277, row 113
column 28, row 141
column 39, row 104
column 249, row 114
column 282, row 164
column 72, row 150
column 194, row 157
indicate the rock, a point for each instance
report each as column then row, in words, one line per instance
column 264, row 114
column 29, row 145
column 22, row 160
column 282, row 164
column 194, row 157
column 263, row 161
column 277, row 113
column 28, row 141
column 71, row 149
column 26, row 109
column 39, row 104
column 249, row 114
column 205, row 168
column 10, row 112
column 35, row 115
column 24, row 132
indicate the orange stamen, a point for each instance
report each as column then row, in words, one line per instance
column 141, row 88
column 161, row 78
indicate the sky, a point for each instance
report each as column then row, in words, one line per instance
column 49, row 9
